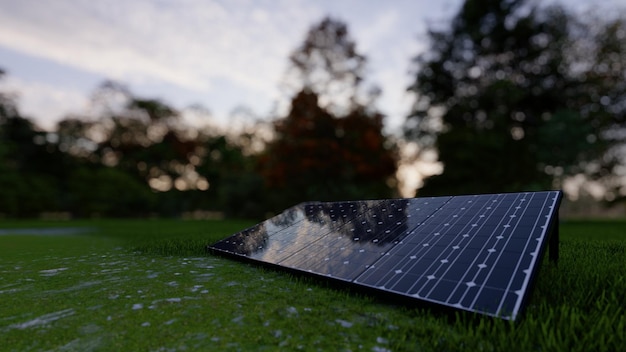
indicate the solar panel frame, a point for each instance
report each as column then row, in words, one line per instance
column 408, row 247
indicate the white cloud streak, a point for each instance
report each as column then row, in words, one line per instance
column 44, row 100
column 197, row 45
column 187, row 43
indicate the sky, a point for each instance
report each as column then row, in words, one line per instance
column 221, row 55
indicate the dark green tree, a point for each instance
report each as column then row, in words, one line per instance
column 32, row 169
column 98, row 190
column 235, row 186
column 9, row 176
column 141, row 146
column 511, row 98
column 141, row 137
column 132, row 143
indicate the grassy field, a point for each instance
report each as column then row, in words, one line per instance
column 147, row 285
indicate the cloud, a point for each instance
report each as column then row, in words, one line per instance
column 43, row 100
column 187, row 43
column 235, row 50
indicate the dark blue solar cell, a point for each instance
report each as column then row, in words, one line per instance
column 475, row 252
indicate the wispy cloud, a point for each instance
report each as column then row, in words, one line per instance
column 197, row 45
column 45, row 100
column 187, row 43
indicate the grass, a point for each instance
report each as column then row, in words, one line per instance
column 149, row 286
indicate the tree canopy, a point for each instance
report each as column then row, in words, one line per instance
column 318, row 156
column 515, row 96
column 326, row 148
column 511, row 96
column 328, row 63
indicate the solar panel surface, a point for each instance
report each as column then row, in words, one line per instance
column 476, row 252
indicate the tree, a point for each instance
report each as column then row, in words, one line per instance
column 141, row 137
column 32, row 170
column 503, row 95
column 133, row 142
column 98, row 190
column 236, row 188
column 165, row 166
column 328, row 64
column 10, row 181
column 318, row 156
column 326, row 148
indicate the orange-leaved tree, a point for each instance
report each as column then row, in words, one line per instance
column 327, row 148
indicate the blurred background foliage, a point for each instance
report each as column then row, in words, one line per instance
column 515, row 96
column 510, row 95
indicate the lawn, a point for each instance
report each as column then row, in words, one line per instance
column 147, row 285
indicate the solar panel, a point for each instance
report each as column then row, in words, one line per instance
column 476, row 253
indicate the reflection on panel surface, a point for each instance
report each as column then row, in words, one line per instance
column 475, row 253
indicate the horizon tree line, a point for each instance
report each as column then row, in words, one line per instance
column 510, row 95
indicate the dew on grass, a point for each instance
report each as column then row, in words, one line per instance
column 80, row 286
column 90, row 328
column 153, row 305
column 233, row 345
column 44, row 319
column 11, row 290
column 204, row 277
column 165, row 349
column 9, row 285
column 101, row 278
column 382, row 340
column 199, row 336
column 106, row 271
column 112, row 263
column 292, row 311
column 70, row 346
column 204, row 266
column 344, row 323
column 51, row 272
column 85, row 344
